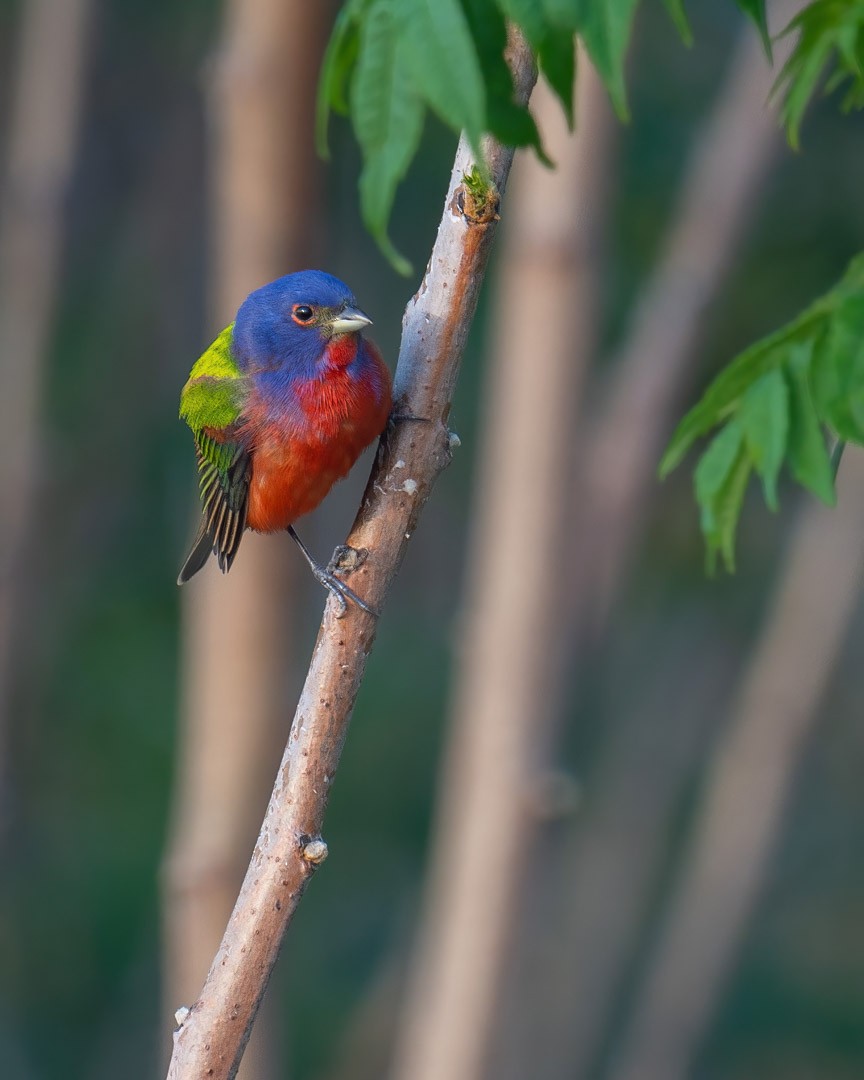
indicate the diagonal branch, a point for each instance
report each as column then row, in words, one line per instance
column 266, row 218
column 213, row 1035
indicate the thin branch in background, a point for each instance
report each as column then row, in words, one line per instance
column 48, row 89
column 722, row 183
column 212, row 1035
column 237, row 629
column 720, row 190
column 363, row 1049
column 544, row 325
column 597, row 890
column 737, row 828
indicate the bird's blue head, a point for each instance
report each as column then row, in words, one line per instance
column 288, row 324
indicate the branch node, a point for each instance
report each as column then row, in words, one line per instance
column 347, row 559
column 314, row 851
column 476, row 199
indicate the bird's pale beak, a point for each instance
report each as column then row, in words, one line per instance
column 349, row 321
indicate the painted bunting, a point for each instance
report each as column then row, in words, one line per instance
column 281, row 406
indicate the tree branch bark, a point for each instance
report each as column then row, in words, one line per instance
column 265, row 222
column 212, row 1036
column 600, row 885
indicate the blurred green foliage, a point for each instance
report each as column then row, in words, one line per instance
column 771, row 401
column 775, row 396
column 388, row 62
column 830, row 36
column 96, row 655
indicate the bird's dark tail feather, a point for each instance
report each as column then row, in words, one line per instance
column 202, row 546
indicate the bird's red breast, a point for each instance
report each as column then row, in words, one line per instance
column 294, row 464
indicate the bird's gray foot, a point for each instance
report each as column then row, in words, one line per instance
column 327, row 577
column 336, row 587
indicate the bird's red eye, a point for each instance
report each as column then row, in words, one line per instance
column 302, row 313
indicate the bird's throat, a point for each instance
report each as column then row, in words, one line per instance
column 341, row 350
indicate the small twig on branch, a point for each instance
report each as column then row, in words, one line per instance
column 212, row 1035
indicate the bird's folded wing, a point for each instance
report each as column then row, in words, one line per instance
column 223, row 476
column 211, row 404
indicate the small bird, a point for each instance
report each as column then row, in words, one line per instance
column 281, row 406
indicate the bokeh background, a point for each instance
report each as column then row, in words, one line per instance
column 94, row 654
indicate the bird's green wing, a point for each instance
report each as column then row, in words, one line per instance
column 211, row 403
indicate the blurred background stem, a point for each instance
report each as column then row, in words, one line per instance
column 620, row 445
column 48, row 86
column 238, row 643
column 655, row 367
column 490, row 792
column 753, row 769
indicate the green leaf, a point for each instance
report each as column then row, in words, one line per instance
column 769, row 404
column 556, row 58
column 377, row 191
column 374, row 84
column 756, row 11
column 720, row 480
column 828, row 31
column 552, row 42
column 715, row 464
column 388, row 120
column 838, row 371
column 808, row 455
column 721, row 398
column 801, row 74
column 604, row 27
column 510, row 123
column 561, row 13
column 442, row 63
column 764, row 416
column 679, row 17
column 727, row 512
column 339, row 60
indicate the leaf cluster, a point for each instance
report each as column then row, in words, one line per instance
column 830, row 37
column 772, row 405
column 389, row 61
column 774, row 401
